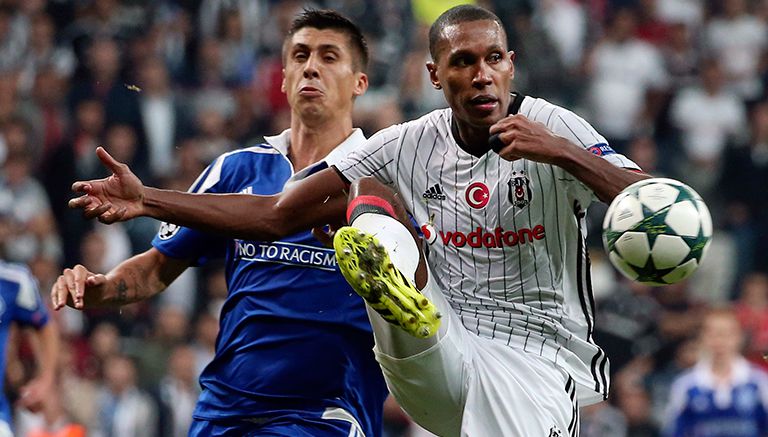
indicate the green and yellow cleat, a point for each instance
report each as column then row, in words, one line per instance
column 365, row 264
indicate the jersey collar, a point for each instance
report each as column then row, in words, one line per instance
column 705, row 377
column 515, row 102
column 281, row 141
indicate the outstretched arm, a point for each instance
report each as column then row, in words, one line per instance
column 135, row 279
column 46, row 346
column 524, row 138
column 315, row 201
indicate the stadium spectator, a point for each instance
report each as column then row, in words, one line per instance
column 125, row 409
column 488, row 338
column 52, row 420
column 78, row 392
column 627, row 81
column 164, row 120
column 103, row 81
column 204, row 343
column 293, row 354
column 178, row 392
column 635, row 404
column 751, row 309
column 745, row 206
column 739, row 40
column 705, row 134
column 723, row 395
column 25, row 209
column 626, row 323
column 43, row 52
column 681, row 58
column 602, row 419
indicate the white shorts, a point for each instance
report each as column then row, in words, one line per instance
column 470, row 386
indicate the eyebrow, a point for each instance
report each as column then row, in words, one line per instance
column 465, row 52
column 321, row 47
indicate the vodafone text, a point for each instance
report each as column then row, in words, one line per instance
column 497, row 238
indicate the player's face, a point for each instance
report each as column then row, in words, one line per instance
column 721, row 336
column 474, row 70
column 319, row 76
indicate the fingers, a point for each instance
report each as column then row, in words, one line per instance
column 511, row 122
column 95, row 280
column 100, row 210
column 82, row 187
column 70, row 286
column 70, row 282
column 32, row 396
column 111, row 163
column 324, row 237
column 97, row 211
column 59, row 293
column 109, row 218
column 83, row 202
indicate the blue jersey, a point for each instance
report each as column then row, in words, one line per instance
column 19, row 303
column 699, row 407
column 293, row 335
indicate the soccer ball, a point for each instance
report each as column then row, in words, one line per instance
column 656, row 231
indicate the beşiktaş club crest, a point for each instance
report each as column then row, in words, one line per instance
column 520, row 193
column 167, row 230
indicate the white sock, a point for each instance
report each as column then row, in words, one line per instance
column 395, row 237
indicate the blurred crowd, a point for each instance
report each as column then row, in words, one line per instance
column 680, row 86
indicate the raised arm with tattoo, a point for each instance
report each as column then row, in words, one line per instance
column 135, row 279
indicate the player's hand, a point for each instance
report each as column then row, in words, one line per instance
column 33, row 394
column 73, row 285
column 116, row 198
column 325, row 234
column 524, row 138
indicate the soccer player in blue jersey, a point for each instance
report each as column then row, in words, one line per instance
column 20, row 304
column 294, row 354
column 723, row 395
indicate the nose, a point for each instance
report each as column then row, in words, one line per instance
column 482, row 76
column 310, row 68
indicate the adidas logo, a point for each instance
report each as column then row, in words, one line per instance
column 434, row 192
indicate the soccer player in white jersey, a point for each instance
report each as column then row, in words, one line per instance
column 507, row 265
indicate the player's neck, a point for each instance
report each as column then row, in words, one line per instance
column 470, row 139
column 722, row 368
column 311, row 143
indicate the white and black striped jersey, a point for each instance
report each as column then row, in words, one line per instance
column 507, row 239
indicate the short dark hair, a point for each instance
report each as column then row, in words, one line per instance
column 327, row 19
column 456, row 15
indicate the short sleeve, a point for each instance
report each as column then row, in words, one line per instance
column 28, row 308
column 185, row 243
column 374, row 158
column 578, row 131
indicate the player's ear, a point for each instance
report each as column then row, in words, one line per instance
column 282, row 84
column 361, row 84
column 511, row 54
column 432, row 69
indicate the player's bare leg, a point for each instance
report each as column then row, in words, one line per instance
column 380, row 256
